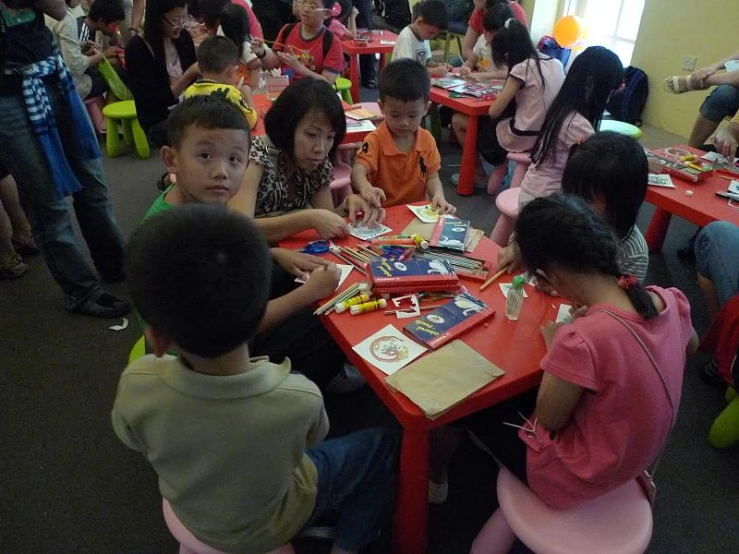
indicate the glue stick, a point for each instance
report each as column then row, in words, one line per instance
column 368, row 306
column 421, row 242
column 346, row 304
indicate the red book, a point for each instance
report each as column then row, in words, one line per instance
column 411, row 275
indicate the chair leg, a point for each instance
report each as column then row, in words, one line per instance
column 502, row 230
column 140, row 140
column 447, row 46
column 724, row 432
column 346, row 96
column 112, row 141
column 518, row 174
column 127, row 133
column 496, row 177
column 435, row 122
column 495, row 537
column 459, row 44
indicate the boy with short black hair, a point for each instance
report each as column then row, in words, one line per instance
column 104, row 16
column 430, row 18
column 399, row 162
column 235, row 441
column 218, row 58
column 208, row 155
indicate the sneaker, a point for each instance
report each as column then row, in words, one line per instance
column 347, row 380
column 687, row 252
column 103, row 304
column 13, row 268
column 438, row 492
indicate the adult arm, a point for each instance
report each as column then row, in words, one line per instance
column 511, row 87
column 71, row 49
column 727, row 138
column 137, row 15
column 468, row 42
column 54, row 8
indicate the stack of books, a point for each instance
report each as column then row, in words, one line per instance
column 411, row 276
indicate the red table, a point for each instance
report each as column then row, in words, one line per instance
column 375, row 46
column 701, row 208
column 516, row 347
column 472, row 108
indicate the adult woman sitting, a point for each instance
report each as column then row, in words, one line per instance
column 161, row 64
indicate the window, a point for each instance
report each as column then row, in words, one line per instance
column 610, row 23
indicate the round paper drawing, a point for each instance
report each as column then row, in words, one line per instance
column 388, row 349
column 435, row 318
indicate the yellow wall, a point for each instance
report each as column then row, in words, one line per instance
column 669, row 30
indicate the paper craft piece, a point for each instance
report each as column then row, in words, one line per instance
column 364, row 126
column 715, row 156
column 406, row 312
column 661, row 180
column 734, row 187
column 345, row 271
column 564, row 315
column 363, row 232
column 389, row 350
column 444, row 378
column 120, row 327
column 424, row 213
column 505, row 287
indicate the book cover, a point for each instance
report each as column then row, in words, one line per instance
column 410, row 271
column 448, row 83
column 484, row 91
column 448, row 321
column 450, row 233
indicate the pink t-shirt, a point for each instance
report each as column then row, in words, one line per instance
column 255, row 29
column 624, row 415
column 533, row 100
column 337, row 28
column 477, row 16
column 545, row 178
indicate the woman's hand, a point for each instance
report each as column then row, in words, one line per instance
column 354, row 204
column 297, row 264
column 510, row 257
column 257, row 46
column 328, row 224
column 725, row 142
column 702, row 74
column 374, row 196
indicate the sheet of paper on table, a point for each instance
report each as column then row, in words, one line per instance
column 364, row 232
column 715, row 156
column 564, row 315
column 345, row 271
column 389, row 349
column 661, row 180
column 354, row 126
column 425, row 213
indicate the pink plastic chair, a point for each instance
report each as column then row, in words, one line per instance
column 189, row 544
column 523, row 161
column 95, row 110
column 619, row 522
column 507, row 203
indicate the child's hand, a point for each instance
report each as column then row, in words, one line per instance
column 297, row 263
column 257, row 46
column 374, row 196
column 577, row 311
column 290, row 60
column 655, row 166
column 510, row 257
column 438, row 202
column 328, row 224
column 548, row 331
column 465, row 71
column 112, row 51
column 354, row 13
column 323, row 281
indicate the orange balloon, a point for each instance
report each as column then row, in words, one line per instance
column 568, row 31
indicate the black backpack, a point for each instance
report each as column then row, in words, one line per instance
column 328, row 38
column 627, row 103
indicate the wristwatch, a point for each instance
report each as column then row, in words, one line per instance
column 135, row 30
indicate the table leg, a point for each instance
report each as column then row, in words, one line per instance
column 383, row 59
column 657, row 230
column 354, row 77
column 411, row 512
column 466, row 185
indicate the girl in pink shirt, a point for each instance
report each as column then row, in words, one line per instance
column 603, row 410
column 573, row 116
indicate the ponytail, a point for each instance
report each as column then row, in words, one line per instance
column 638, row 295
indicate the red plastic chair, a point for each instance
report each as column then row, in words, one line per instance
column 507, row 204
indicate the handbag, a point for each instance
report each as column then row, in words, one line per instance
column 113, row 80
column 646, row 479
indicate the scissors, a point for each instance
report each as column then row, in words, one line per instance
column 393, row 251
column 315, row 247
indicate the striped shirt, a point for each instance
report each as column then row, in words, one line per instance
column 633, row 254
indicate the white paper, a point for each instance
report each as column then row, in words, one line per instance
column 661, row 180
column 564, row 315
column 345, row 271
column 505, row 287
column 424, row 213
column 734, row 187
column 389, row 349
column 354, row 126
column 363, row 232
column 387, row 42
column 713, row 156
column 120, row 327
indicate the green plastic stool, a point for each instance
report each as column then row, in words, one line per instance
column 124, row 113
column 138, row 350
column 620, row 127
column 344, row 86
column 724, row 432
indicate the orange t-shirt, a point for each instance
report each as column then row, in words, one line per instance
column 402, row 175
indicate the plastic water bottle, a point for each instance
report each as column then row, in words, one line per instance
column 514, row 301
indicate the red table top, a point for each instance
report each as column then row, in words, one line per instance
column 375, row 46
column 467, row 106
column 703, row 206
column 516, row 347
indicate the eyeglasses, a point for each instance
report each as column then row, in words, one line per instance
column 312, row 7
column 176, row 23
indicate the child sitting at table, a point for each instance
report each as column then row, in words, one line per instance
column 413, row 41
column 237, row 442
column 218, row 58
column 399, row 162
column 234, row 24
column 336, row 26
column 308, row 48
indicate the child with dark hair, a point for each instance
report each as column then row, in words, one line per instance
column 479, row 66
column 236, row 442
column 573, row 116
column 429, row 20
column 517, row 114
column 612, row 378
column 399, row 162
column 218, row 58
column 235, row 24
column 343, row 12
column 476, row 27
column 287, row 183
column 308, row 48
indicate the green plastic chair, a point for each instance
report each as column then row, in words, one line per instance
column 724, row 432
column 138, row 350
column 344, row 86
column 620, row 127
column 124, row 113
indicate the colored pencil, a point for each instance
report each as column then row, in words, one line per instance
column 494, row 278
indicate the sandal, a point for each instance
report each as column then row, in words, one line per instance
column 102, row 304
column 682, row 83
column 27, row 247
column 13, row 268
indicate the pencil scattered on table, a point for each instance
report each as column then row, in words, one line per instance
column 494, row 278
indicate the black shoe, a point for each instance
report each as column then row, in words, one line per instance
column 711, row 376
column 103, row 304
column 687, row 252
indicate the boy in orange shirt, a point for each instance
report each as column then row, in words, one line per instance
column 399, row 162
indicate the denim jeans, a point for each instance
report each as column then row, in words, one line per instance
column 717, row 257
column 722, row 102
column 356, row 478
column 50, row 215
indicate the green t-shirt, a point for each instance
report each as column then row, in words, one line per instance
column 160, row 205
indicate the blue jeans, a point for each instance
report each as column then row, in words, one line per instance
column 50, row 215
column 717, row 257
column 722, row 102
column 356, row 478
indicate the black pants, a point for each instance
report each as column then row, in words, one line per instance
column 272, row 15
column 301, row 337
column 364, row 21
column 157, row 134
column 487, row 138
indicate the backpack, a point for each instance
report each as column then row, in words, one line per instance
column 549, row 47
column 627, row 103
column 328, row 38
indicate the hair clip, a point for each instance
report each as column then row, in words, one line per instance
column 507, row 23
column 627, row 281
column 336, row 10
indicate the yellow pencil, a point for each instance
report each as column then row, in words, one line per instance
column 494, row 278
